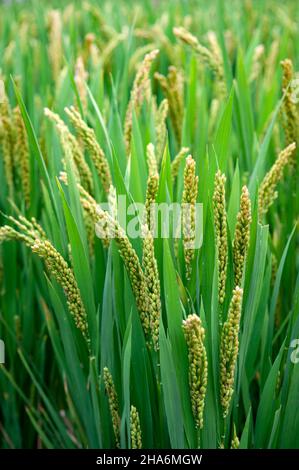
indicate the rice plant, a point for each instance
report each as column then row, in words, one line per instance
column 117, row 329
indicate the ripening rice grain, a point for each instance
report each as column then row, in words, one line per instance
column 198, row 366
column 136, row 439
column 220, row 232
column 229, row 348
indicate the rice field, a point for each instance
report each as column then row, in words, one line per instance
column 123, row 325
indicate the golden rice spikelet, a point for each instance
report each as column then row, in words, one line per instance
column 131, row 262
column 188, row 205
column 271, row 63
column 34, row 237
column 257, row 62
column 8, row 54
column 229, row 349
column 158, row 36
column 151, row 160
column 91, row 51
column 173, row 89
column 212, row 59
column 213, row 116
column 242, row 234
column 176, row 162
column 235, row 440
column 113, row 403
column 9, row 233
column 97, row 154
column 151, row 275
column 80, row 78
column 267, row 191
column 21, row 151
column 7, row 142
column 138, row 55
column 221, row 232
column 107, row 227
column 198, row 366
column 112, row 210
column 161, row 129
column 136, row 437
column 176, row 86
column 216, row 52
column 68, row 13
column 150, row 199
column 152, row 186
column 89, row 211
column 112, row 201
column 214, row 46
column 136, row 275
column 90, row 231
column 72, row 149
column 290, row 118
column 140, row 85
column 276, row 138
column 55, row 41
column 64, row 275
column 230, row 43
column 89, row 214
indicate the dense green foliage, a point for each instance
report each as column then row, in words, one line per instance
column 52, row 392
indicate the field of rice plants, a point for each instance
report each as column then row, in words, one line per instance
column 117, row 329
